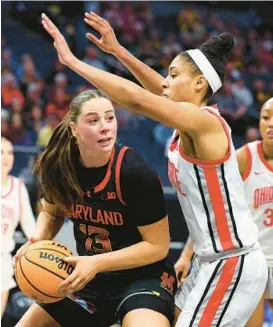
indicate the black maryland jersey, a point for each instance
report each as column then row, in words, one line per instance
column 118, row 198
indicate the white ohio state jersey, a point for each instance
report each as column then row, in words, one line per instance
column 258, row 182
column 15, row 207
column 211, row 195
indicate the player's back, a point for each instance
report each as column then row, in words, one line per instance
column 258, row 182
column 10, row 212
column 211, row 194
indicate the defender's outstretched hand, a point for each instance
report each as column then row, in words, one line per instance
column 108, row 41
column 65, row 55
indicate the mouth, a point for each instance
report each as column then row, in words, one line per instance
column 270, row 133
column 105, row 141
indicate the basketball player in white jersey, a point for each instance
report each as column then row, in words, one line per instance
column 256, row 167
column 223, row 288
column 15, row 209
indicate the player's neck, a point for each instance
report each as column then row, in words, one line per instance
column 268, row 151
column 4, row 180
column 90, row 160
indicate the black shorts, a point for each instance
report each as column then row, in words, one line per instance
column 104, row 309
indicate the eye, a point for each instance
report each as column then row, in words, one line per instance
column 92, row 121
column 173, row 75
column 110, row 118
column 265, row 117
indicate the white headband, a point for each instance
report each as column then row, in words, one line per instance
column 206, row 68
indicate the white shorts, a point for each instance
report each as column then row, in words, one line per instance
column 7, row 272
column 222, row 293
column 269, row 285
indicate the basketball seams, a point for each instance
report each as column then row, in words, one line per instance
column 46, row 249
column 50, row 296
column 36, row 264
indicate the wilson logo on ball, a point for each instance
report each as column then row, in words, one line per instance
column 61, row 264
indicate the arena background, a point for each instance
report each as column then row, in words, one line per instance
column 36, row 89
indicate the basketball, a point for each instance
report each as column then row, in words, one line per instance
column 40, row 270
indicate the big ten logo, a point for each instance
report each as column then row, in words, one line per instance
column 109, row 196
column 168, row 282
column 60, row 263
column 174, row 179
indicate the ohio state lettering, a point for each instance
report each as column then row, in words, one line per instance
column 262, row 195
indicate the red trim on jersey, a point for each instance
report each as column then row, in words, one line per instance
column 117, row 173
column 249, row 163
column 107, row 176
column 174, row 141
column 20, row 199
column 262, row 157
column 218, row 207
column 11, row 188
column 219, row 292
column 210, row 162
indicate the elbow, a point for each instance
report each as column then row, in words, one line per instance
column 163, row 251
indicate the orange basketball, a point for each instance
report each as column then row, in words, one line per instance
column 40, row 270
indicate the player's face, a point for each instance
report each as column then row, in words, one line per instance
column 96, row 126
column 266, row 123
column 179, row 85
column 7, row 157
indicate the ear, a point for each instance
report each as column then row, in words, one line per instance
column 201, row 83
column 73, row 129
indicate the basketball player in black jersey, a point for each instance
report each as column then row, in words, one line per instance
column 120, row 225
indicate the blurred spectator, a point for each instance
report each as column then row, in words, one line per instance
column 29, row 75
column 46, row 131
column 33, row 98
column 231, row 108
column 36, row 122
column 241, row 92
column 59, row 105
column 261, row 95
column 91, row 58
column 7, row 60
column 9, row 90
column 16, row 106
column 57, row 68
column 5, row 122
column 60, row 83
column 17, row 132
column 252, row 134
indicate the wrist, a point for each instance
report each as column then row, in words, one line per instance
column 120, row 52
column 100, row 262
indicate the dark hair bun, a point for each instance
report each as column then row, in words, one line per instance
column 218, row 46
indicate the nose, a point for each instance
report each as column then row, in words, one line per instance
column 165, row 83
column 104, row 126
column 271, row 122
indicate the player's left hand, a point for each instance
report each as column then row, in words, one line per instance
column 86, row 268
column 65, row 55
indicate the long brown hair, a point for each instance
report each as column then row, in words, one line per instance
column 55, row 167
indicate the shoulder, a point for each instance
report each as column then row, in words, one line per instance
column 244, row 159
column 134, row 167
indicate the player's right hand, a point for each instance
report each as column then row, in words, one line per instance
column 22, row 249
column 182, row 268
column 108, row 41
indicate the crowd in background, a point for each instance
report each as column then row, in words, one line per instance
column 33, row 103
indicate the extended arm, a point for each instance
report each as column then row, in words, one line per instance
column 108, row 42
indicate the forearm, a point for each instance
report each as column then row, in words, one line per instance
column 117, row 88
column 137, row 255
column 147, row 76
column 48, row 226
column 188, row 249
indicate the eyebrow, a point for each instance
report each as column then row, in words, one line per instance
column 95, row 112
